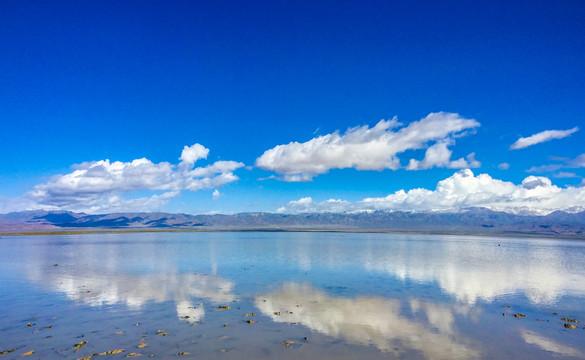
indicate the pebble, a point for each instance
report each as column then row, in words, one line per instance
column 79, row 345
column 117, row 351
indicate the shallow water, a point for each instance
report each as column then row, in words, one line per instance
column 332, row 295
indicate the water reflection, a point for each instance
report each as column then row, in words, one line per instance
column 549, row 345
column 470, row 269
column 370, row 320
column 135, row 290
column 114, row 271
column 404, row 311
column 484, row 270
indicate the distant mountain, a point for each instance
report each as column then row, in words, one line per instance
column 471, row 221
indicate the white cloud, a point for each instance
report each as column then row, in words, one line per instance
column 564, row 174
column 545, row 168
column 115, row 203
column 504, row 166
column 216, row 194
column 308, row 205
column 439, row 155
column 99, row 186
column 578, row 162
column 541, row 137
column 463, row 189
column 191, row 154
column 563, row 163
column 375, row 148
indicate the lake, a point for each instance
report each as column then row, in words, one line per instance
column 291, row 295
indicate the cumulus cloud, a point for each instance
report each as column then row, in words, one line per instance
column 100, row 185
column 541, row 137
column 439, row 155
column 216, row 194
column 504, row 166
column 463, row 189
column 375, row 148
column 191, row 154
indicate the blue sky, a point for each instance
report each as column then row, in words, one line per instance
column 88, row 81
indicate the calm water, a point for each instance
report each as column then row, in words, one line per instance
column 332, row 295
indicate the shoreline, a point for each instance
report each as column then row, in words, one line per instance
column 332, row 230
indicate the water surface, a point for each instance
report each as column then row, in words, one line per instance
column 291, row 295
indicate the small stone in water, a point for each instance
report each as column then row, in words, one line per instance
column 117, row 351
column 79, row 345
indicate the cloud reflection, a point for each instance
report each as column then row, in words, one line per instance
column 470, row 269
column 549, row 345
column 135, row 290
column 484, row 270
column 368, row 321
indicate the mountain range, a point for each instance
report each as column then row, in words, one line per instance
column 466, row 221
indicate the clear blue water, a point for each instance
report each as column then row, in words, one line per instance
column 332, row 295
